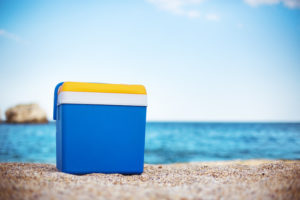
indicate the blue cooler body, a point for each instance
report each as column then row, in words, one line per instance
column 93, row 136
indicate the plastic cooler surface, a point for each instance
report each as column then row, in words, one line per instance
column 100, row 138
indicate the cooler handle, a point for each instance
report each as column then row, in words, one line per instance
column 55, row 100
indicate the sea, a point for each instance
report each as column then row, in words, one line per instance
column 169, row 142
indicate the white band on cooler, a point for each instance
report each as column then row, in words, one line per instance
column 102, row 98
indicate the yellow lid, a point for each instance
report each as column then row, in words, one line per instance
column 102, row 88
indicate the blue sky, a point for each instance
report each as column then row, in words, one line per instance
column 200, row 60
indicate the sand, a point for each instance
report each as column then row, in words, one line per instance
column 253, row 179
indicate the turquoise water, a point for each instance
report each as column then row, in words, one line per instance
column 169, row 142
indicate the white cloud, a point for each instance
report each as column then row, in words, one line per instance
column 292, row 3
column 288, row 3
column 193, row 14
column 12, row 36
column 179, row 7
column 212, row 17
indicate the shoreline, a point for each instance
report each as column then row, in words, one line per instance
column 238, row 179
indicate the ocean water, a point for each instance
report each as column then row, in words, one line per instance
column 170, row 142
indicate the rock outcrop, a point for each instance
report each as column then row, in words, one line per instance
column 26, row 113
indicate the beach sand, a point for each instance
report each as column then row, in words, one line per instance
column 252, row 179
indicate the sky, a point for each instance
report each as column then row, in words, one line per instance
column 200, row 60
